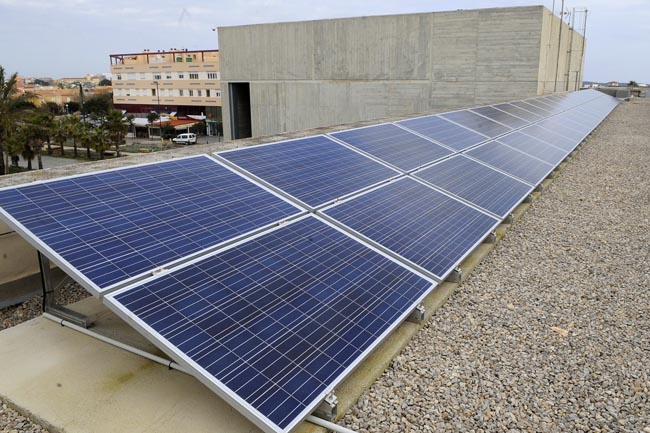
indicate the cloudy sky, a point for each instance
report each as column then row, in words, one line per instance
column 65, row 38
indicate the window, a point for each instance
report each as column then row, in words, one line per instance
column 169, row 75
column 207, row 93
column 194, row 76
column 191, row 92
column 143, row 76
column 217, row 93
column 181, row 76
column 119, row 76
column 213, row 76
column 157, row 76
column 180, row 92
column 153, row 92
column 198, row 93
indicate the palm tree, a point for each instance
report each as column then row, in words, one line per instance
column 117, row 125
column 60, row 134
column 86, row 138
column 101, row 141
column 10, row 106
column 73, row 126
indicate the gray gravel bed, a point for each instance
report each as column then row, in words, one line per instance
column 551, row 333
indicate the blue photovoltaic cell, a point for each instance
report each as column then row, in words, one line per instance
column 417, row 222
column 560, row 125
column 477, row 123
column 278, row 319
column 315, row 170
column 551, row 108
column 525, row 167
column 394, row 145
column 532, row 108
column 534, row 147
column 117, row 224
column 550, row 137
column 476, row 183
column 501, row 116
column 519, row 112
column 443, row 131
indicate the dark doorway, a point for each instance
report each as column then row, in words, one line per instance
column 240, row 110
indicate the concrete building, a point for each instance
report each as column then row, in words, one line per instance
column 175, row 81
column 299, row 75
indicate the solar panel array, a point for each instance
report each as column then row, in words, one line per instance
column 271, row 272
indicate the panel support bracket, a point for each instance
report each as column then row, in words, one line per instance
column 491, row 238
column 328, row 409
column 455, row 275
column 417, row 315
column 509, row 219
column 539, row 188
column 528, row 198
column 50, row 295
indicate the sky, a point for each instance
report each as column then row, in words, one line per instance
column 71, row 38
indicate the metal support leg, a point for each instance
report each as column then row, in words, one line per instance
column 455, row 276
column 509, row 219
column 528, row 199
column 328, row 409
column 491, row 238
column 417, row 315
column 49, row 297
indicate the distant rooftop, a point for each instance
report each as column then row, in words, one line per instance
column 174, row 55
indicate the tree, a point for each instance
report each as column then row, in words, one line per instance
column 105, row 82
column 633, row 84
column 73, row 128
column 100, row 141
column 117, row 125
column 60, row 134
column 73, row 107
column 86, row 138
column 11, row 106
column 54, row 108
column 99, row 105
column 152, row 117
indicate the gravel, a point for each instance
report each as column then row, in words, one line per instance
column 551, row 333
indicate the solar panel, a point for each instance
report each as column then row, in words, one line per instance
column 550, row 137
column 512, row 161
column 443, row 131
column 534, row 147
column 519, row 112
column 550, row 107
column 564, row 126
column 416, row 222
column 532, row 108
column 274, row 323
column 477, row 123
column 315, row 170
column 394, row 145
column 110, row 226
column 478, row 184
column 501, row 117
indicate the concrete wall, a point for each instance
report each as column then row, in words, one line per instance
column 568, row 66
column 318, row 73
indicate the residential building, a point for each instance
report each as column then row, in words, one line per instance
column 176, row 81
column 299, row 75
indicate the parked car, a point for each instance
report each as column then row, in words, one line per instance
column 186, row 138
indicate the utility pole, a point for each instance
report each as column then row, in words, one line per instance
column 570, row 50
column 559, row 44
column 582, row 54
column 159, row 117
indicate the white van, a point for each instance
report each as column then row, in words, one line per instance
column 186, row 138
